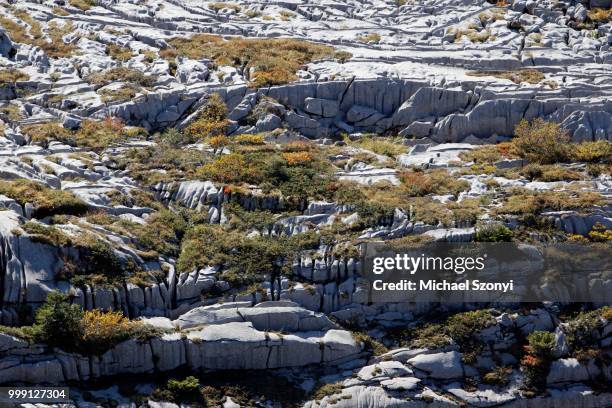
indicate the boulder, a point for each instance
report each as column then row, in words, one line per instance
column 439, row 365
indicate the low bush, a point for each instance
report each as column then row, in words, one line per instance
column 61, row 324
column 599, row 151
column 297, row 158
column 418, row 183
column 103, row 330
column 52, row 44
column 122, row 94
column 541, row 142
column 242, row 261
column 98, row 135
column 228, row 168
column 246, row 139
column 599, row 233
column 549, row 173
column 43, row 133
column 326, row 389
column 497, row 376
column 211, row 121
column 46, row 201
column 493, row 232
column 459, row 328
column 482, row 155
column 580, row 329
column 541, row 343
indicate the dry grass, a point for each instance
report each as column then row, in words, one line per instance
column 216, row 7
column 11, row 75
column 286, row 15
column 10, row 113
column 122, row 94
column 369, row 38
column 600, row 15
column 265, row 62
column 531, row 76
column 55, row 48
column 128, row 75
column 525, row 202
column 43, row 133
column 386, row 147
column 46, row 201
column 96, row 135
column 474, row 35
column 118, row 53
column 83, row 5
column 60, row 12
column 439, row 181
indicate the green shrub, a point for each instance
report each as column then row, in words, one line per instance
column 580, row 329
column 537, row 358
column 187, row 389
column 459, row 327
column 46, row 201
column 493, row 232
column 541, row 142
column 153, row 164
column 542, row 343
column 24, row 333
column 98, row 257
column 58, row 323
column 174, row 138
